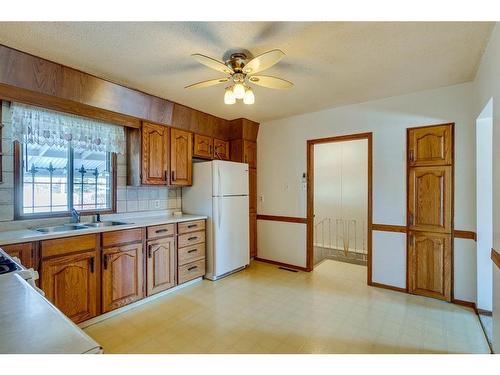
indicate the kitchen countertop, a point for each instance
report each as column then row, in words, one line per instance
column 31, row 324
column 133, row 220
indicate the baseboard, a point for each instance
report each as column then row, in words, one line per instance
column 468, row 304
column 484, row 312
column 389, row 287
column 281, row 264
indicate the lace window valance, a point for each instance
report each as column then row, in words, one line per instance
column 45, row 127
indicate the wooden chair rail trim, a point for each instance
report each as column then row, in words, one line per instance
column 466, row 234
column 287, row 219
column 495, row 257
column 280, row 264
column 389, row 228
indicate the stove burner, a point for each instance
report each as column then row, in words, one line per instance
column 6, row 265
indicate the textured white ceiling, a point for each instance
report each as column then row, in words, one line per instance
column 331, row 63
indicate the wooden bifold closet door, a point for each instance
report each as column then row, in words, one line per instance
column 430, row 211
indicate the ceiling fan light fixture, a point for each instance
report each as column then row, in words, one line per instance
column 239, row 90
column 229, row 96
column 249, row 97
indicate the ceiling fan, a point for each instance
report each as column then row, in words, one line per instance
column 241, row 71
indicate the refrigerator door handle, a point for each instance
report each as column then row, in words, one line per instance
column 218, row 179
column 220, row 212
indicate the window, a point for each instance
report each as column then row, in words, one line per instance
column 56, row 179
column 63, row 161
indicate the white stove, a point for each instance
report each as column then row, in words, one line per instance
column 12, row 265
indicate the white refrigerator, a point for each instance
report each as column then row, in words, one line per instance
column 220, row 191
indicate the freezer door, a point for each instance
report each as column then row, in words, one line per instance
column 231, row 234
column 229, row 178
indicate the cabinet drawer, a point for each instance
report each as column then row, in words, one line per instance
column 191, row 253
column 121, row 236
column 68, row 245
column 191, row 271
column 191, row 226
column 191, row 239
column 161, row 231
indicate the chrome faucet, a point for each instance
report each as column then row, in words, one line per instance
column 75, row 216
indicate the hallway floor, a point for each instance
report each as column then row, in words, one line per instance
column 267, row 310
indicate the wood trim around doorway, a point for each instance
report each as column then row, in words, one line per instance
column 310, row 195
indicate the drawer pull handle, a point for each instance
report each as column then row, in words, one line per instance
column 192, row 251
column 193, row 238
column 192, row 225
column 105, row 262
column 192, row 268
column 161, row 230
column 149, row 251
column 92, row 265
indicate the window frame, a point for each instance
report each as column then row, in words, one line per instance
column 18, row 191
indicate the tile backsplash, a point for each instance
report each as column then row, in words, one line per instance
column 128, row 198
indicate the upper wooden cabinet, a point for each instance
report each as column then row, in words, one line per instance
column 25, row 252
column 155, row 154
column 221, row 149
column 250, row 153
column 161, row 257
column 181, row 155
column 203, row 146
column 244, row 151
column 430, row 145
column 429, row 264
column 70, row 282
column 122, row 276
column 430, row 199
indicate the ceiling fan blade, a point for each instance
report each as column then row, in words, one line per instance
column 210, row 82
column 212, row 63
column 264, row 61
column 271, row 82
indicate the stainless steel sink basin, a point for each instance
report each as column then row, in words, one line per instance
column 61, row 228
column 102, row 224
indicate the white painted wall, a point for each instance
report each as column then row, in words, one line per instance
column 282, row 161
column 484, row 205
column 487, row 87
column 341, row 191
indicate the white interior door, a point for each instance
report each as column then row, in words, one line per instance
column 230, row 178
column 231, row 233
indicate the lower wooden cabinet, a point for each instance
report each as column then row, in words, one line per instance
column 70, row 282
column 161, row 264
column 122, row 276
column 429, row 264
column 25, row 252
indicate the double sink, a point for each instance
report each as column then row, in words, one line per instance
column 78, row 226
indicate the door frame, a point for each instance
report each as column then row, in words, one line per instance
column 310, row 195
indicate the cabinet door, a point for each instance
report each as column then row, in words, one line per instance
column 70, row 283
column 161, row 265
column 253, row 234
column 203, row 146
column 221, row 149
column 250, row 153
column 430, row 199
column 155, row 154
column 429, row 264
column 25, row 252
column 122, row 281
column 431, row 145
column 181, row 155
column 252, row 189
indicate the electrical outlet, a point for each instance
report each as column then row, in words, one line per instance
column 157, row 203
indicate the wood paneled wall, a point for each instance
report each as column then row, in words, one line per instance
column 32, row 80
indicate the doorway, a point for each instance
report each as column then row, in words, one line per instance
column 339, row 200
